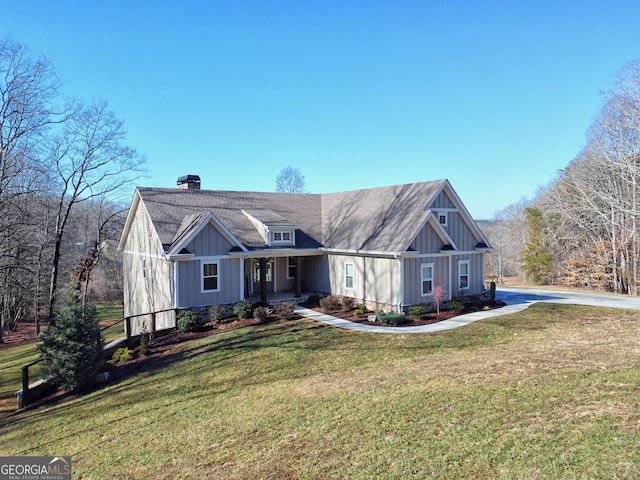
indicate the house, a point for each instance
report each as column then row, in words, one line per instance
column 390, row 247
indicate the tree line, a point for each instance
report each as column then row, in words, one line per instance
column 64, row 166
column 582, row 228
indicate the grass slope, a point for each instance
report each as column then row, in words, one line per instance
column 549, row 393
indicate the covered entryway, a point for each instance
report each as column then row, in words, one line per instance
column 277, row 275
column 268, row 275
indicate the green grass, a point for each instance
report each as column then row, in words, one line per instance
column 106, row 315
column 549, row 393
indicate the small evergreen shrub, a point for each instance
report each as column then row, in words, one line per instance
column 331, row 303
column 243, row 309
column 313, row 301
column 361, row 310
column 417, row 311
column 457, row 304
column 187, row 321
column 285, row 310
column 348, row 303
column 261, row 313
column 123, row 354
column 216, row 314
column 71, row 347
column 390, row 318
column 475, row 300
column 492, row 291
column 145, row 349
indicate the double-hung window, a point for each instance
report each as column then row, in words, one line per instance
column 463, row 274
column 348, row 275
column 210, row 276
column 426, row 278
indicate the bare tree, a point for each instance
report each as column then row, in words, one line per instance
column 290, row 180
column 507, row 233
column 91, row 161
column 595, row 200
column 29, row 105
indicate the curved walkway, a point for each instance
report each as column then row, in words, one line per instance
column 517, row 299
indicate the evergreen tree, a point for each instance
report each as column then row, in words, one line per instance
column 537, row 259
column 71, row 347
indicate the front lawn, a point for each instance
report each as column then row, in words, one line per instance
column 549, row 393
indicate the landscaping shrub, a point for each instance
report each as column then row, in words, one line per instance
column 144, row 340
column 71, row 347
column 216, row 313
column 123, row 354
column 285, row 310
column 361, row 310
column 492, row 291
column 390, row 318
column 313, row 301
column 261, row 313
column 417, row 311
column 331, row 303
column 348, row 303
column 457, row 304
column 243, row 309
column 187, row 321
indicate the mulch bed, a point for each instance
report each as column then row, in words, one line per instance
column 411, row 321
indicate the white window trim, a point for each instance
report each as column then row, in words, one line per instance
column 207, row 261
column 353, row 276
column 446, row 218
column 422, row 279
column 290, row 241
column 289, row 267
column 468, row 274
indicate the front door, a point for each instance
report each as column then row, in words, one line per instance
column 256, row 276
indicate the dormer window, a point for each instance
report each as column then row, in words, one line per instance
column 281, row 236
column 284, row 237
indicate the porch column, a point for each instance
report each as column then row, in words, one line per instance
column 263, row 279
column 299, row 277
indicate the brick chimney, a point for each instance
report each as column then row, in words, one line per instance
column 189, row 182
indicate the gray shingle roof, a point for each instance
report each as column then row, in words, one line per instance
column 376, row 219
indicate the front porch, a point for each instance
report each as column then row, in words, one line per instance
column 278, row 277
column 274, row 298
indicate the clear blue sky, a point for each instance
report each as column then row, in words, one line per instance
column 496, row 96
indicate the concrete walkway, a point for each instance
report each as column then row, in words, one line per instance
column 517, row 299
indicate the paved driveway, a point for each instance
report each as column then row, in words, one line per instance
column 527, row 296
column 517, row 299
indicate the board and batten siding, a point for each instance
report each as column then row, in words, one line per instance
column 375, row 279
column 413, row 278
column 476, row 273
column 427, row 241
column 209, row 246
column 442, row 201
column 190, row 279
column 458, row 229
column 281, row 269
column 209, row 242
column 315, row 274
column 147, row 287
